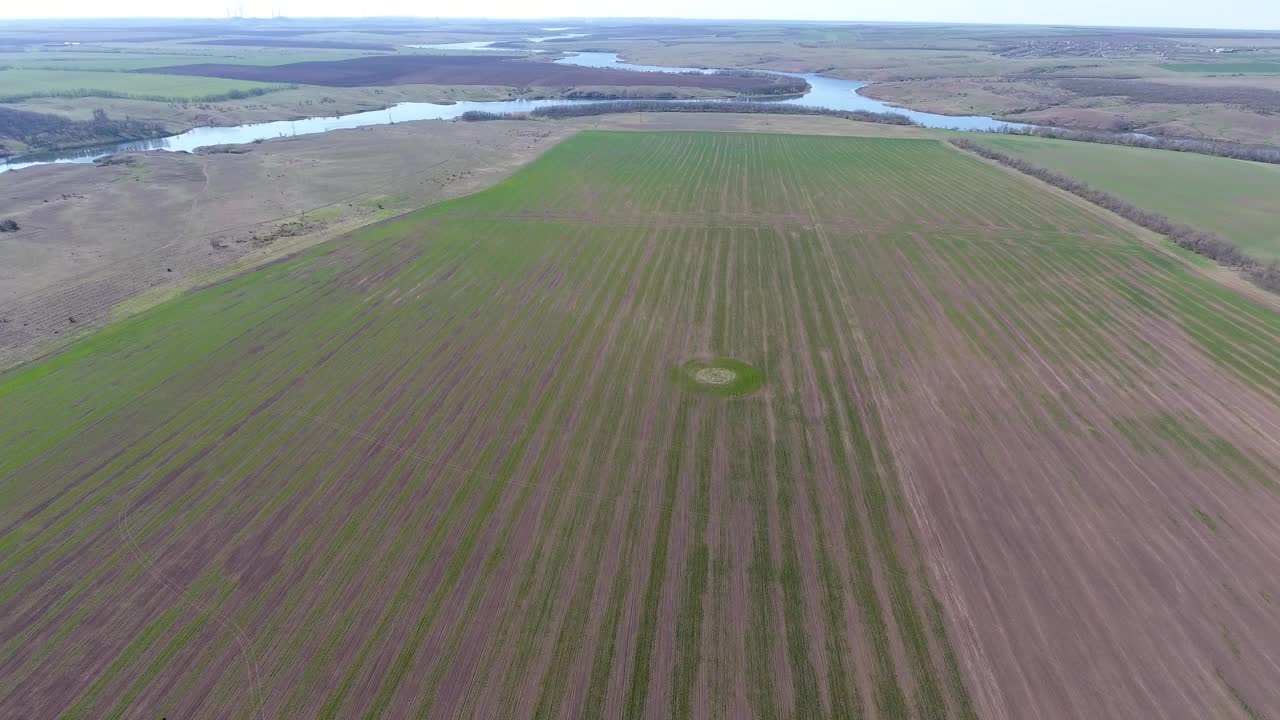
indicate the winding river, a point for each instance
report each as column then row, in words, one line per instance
column 825, row 92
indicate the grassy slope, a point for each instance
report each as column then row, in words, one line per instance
column 1233, row 198
column 446, row 452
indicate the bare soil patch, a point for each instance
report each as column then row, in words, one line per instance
column 715, row 376
column 721, row 376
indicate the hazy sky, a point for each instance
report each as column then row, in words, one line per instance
column 1163, row 13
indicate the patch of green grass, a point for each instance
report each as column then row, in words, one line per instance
column 163, row 56
column 94, row 61
column 721, row 376
column 17, row 84
column 1199, row 444
column 1233, row 198
column 322, row 215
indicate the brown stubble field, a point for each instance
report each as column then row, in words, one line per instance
column 1010, row 459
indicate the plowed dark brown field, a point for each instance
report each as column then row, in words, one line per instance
column 470, row 70
column 1009, row 460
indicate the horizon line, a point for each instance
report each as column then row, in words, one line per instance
column 629, row 18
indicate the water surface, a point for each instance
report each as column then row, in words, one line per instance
column 488, row 45
column 477, row 45
column 825, row 92
column 242, row 134
column 567, row 36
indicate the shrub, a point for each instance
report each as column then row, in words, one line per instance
column 481, row 115
column 47, row 130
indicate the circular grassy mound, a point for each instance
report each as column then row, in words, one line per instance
column 722, row 376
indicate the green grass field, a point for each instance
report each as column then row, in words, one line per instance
column 164, row 55
column 447, row 466
column 23, row 84
column 91, row 62
column 1233, row 198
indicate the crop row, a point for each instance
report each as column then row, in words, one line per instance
column 440, row 467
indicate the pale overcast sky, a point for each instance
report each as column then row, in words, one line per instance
column 1253, row 14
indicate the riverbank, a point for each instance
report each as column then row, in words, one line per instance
column 306, row 104
column 829, row 93
column 286, row 105
column 22, row 131
column 824, row 92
